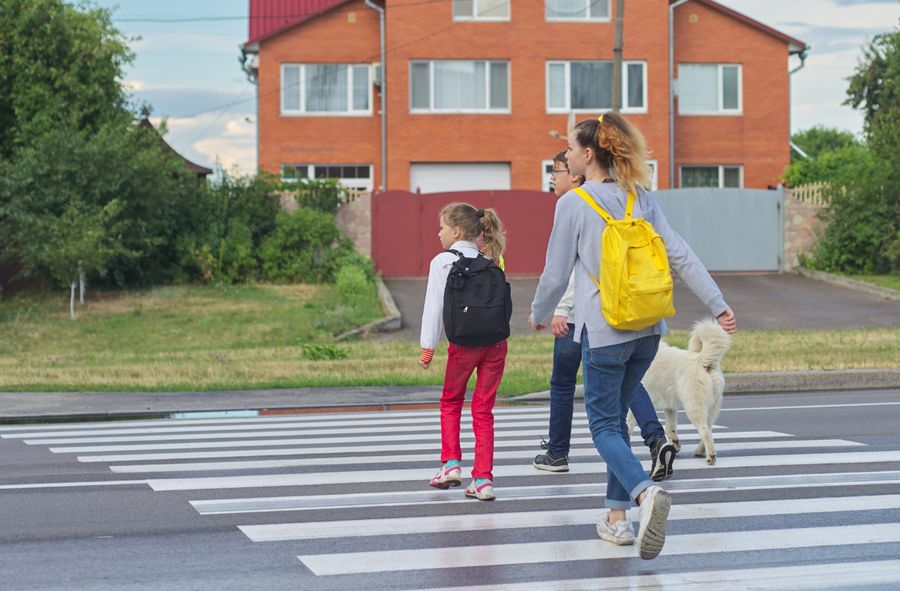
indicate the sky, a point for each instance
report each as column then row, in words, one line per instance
column 186, row 66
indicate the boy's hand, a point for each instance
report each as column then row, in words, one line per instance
column 559, row 325
column 727, row 321
column 425, row 357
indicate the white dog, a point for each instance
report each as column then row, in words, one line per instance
column 692, row 379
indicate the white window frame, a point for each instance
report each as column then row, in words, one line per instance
column 654, row 178
column 568, row 88
column 364, row 184
column 546, row 167
column 721, row 168
column 580, row 19
column 721, row 111
column 302, row 112
column 488, row 19
column 487, row 89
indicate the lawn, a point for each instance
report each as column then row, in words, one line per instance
column 888, row 281
column 196, row 338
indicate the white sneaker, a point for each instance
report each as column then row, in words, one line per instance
column 447, row 476
column 620, row 533
column 654, row 514
column 482, row 492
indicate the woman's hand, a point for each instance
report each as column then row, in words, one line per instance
column 727, row 321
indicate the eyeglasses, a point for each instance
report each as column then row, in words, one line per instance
column 556, row 171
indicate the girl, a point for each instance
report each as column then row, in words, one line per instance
column 461, row 225
column 614, row 361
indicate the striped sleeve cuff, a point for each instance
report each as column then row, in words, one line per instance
column 426, row 356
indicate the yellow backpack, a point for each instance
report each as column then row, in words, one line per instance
column 635, row 282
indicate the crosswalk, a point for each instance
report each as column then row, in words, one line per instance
column 347, row 496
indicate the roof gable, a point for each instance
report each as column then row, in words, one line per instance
column 270, row 17
column 795, row 45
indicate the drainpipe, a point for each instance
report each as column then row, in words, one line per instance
column 383, row 89
column 672, row 8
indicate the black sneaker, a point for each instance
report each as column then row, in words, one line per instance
column 663, row 454
column 551, row 462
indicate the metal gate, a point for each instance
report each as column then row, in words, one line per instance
column 729, row 229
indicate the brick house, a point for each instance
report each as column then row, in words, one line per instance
column 477, row 93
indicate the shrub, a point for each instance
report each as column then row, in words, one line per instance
column 352, row 284
column 323, row 351
column 304, row 248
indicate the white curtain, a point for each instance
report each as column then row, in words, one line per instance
column 326, row 87
column 698, row 88
column 290, row 88
column 459, row 85
column 566, row 9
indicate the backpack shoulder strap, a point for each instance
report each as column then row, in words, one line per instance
column 629, row 208
column 590, row 201
column 457, row 253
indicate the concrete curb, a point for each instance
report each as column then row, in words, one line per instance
column 786, row 381
column 874, row 290
column 391, row 321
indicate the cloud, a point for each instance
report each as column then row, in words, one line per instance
column 183, row 101
column 225, row 138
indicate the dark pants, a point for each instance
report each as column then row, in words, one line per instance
column 566, row 361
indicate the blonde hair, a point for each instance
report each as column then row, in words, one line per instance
column 618, row 146
column 473, row 223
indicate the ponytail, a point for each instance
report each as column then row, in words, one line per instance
column 477, row 222
column 619, row 147
column 493, row 234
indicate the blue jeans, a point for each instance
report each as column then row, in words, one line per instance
column 611, row 378
column 566, row 360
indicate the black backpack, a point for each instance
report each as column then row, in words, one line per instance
column 477, row 302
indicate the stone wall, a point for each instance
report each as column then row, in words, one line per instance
column 801, row 226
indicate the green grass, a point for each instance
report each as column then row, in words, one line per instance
column 198, row 338
column 888, row 281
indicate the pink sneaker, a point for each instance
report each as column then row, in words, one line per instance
column 482, row 492
column 447, row 476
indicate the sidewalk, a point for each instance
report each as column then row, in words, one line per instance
column 19, row 406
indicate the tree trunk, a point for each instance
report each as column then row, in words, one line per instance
column 81, row 283
column 72, row 301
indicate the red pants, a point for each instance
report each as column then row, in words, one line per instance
column 461, row 362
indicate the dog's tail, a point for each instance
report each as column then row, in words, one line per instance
column 710, row 341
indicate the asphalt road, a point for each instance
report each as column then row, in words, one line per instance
column 805, row 494
column 764, row 301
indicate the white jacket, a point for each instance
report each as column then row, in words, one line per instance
column 567, row 303
column 433, row 312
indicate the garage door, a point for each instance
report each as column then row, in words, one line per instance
column 432, row 177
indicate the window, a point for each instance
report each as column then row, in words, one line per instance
column 709, row 89
column 481, row 10
column 728, row 177
column 352, row 176
column 577, row 10
column 654, row 175
column 326, row 89
column 459, row 86
column 546, row 179
column 587, row 86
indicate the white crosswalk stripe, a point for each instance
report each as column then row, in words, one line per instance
column 358, row 504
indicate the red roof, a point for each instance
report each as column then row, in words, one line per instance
column 798, row 45
column 269, row 17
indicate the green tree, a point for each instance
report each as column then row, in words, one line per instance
column 819, row 139
column 61, row 66
column 875, row 90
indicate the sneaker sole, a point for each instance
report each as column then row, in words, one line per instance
column 653, row 526
column 664, row 461
column 614, row 540
column 476, row 497
column 547, row 468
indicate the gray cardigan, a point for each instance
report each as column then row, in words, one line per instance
column 575, row 244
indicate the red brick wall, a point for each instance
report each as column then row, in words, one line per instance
column 347, row 34
column 424, row 31
column 758, row 139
